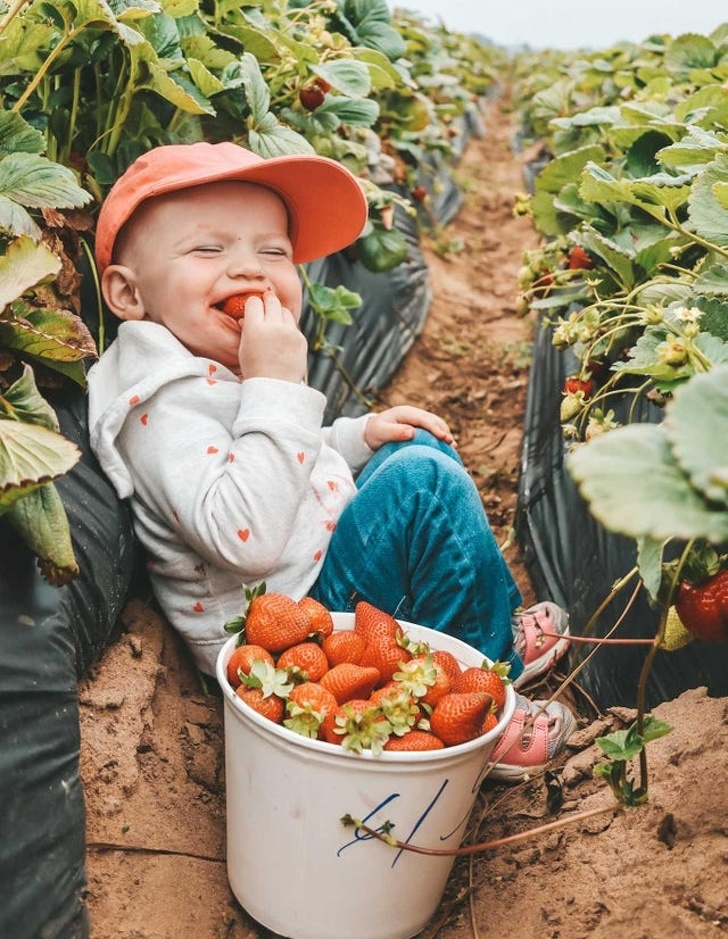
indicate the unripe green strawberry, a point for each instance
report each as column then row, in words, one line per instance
column 676, row 635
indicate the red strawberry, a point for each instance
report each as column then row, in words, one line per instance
column 384, row 652
column 419, row 193
column 415, row 741
column 487, row 679
column 308, row 706
column 312, row 96
column 579, row 259
column 343, row 645
column 458, row 718
column 398, row 706
column 235, row 306
column 373, row 623
column 491, row 719
column 275, row 622
column 242, row 659
column 575, row 384
column 358, row 725
column 305, row 661
column 424, row 679
column 271, row 707
column 322, row 623
column 447, row 661
column 703, row 608
column 347, row 681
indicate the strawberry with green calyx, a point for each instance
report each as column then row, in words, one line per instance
column 242, row 660
column 574, row 384
column 308, row 706
column 423, row 678
column 322, row 623
column 398, row 706
column 703, row 607
column 276, row 622
column 358, row 725
column 236, row 625
column 265, row 690
column 446, row 660
column 306, row 661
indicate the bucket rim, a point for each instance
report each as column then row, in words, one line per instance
column 344, row 620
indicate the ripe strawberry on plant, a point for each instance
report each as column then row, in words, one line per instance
column 306, row 661
column 275, row 621
column 242, row 660
column 574, row 384
column 312, row 96
column 703, row 607
column 458, row 718
column 579, row 259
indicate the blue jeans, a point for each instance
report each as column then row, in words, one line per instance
column 415, row 542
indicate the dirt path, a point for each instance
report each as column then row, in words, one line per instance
column 152, row 745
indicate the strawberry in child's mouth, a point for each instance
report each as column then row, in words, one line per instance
column 235, row 306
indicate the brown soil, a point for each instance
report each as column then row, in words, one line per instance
column 152, row 740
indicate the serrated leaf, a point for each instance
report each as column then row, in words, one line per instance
column 43, row 524
column 653, row 728
column 697, row 427
column 17, row 136
column 634, row 487
column 30, row 453
column 707, row 216
column 208, row 83
column 24, row 265
column 38, row 183
column 23, row 402
column 346, row 75
column 177, row 89
column 16, row 220
column 649, row 562
column 278, row 141
column 256, row 91
column 359, row 112
column 49, row 335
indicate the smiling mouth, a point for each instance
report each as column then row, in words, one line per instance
column 234, row 306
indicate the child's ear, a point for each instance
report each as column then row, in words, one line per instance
column 121, row 293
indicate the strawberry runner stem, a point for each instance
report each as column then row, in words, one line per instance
column 595, row 640
column 384, row 835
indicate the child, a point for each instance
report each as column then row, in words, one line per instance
column 204, row 422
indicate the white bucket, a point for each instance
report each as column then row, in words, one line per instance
column 291, row 862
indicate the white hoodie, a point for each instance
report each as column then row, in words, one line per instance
column 230, row 482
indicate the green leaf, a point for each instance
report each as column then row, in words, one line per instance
column 634, row 487
column 707, row 215
column 177, row 89
column 333, row 303
column 346, row 75
column 277, row 140
column 369, row 23
column 41, row 520
column 380, row 249
column 622, row 744
column 17, row 136
column 653, row 728
column 24, row 265
column 256, row 90
column 38, row 183
column 362, row 112
column 23, row 402
column 698, row 431
column 649, row 562
column 51, row 336
column 30, row 453
column 16, row 220
column 204, row 79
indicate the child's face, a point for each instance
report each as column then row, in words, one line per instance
column 185, row 253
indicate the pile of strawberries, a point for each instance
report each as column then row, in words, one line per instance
column 367, row 688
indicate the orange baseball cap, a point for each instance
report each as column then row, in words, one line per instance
column 326, row 204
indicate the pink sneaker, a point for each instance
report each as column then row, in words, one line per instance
column 540, row 637
column 537, row 732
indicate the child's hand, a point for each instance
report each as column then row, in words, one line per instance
column 399, row 423
column 271, row 344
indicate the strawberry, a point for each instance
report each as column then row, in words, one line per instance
column 305, row 661
column 264, row 689
column 312, row 96
column 242, row 659
column 703, row 608
column 415, row 741
column 322, row 623
column 275, row 622
column 424, row 679
column 676, row 635
column 373, row 623
column 384, row 652
column 448, row 662
column 579, row 259
column 491, row 720
column 235, row 306
column 398, row 706
column 458, row 718
column 486, row 678
column 308, row 706
column 574, row 384
column 347, row 681
column 358, row 725
column 343, row 645
column 419, row 193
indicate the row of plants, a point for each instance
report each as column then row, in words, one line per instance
column 86, row 86
column 631, row 280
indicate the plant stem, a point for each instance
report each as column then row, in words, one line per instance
column 483, row 845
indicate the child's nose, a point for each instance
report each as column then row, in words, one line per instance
column 245, row 264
